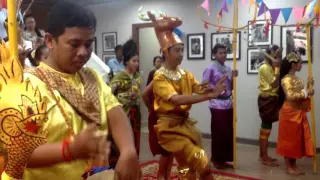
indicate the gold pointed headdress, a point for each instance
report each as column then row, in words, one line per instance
column 293, row 57
column 164, row 27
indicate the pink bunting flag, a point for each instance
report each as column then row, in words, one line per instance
column 274, row 15
column 244, row 1
column 224, row 6
column 206, row 6
column 298, row 13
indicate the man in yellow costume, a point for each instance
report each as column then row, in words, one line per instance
column 173, row 96
column 58, row 130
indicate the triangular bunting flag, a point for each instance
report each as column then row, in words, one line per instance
column 224, row 6
column 244, row 1
column 286, row 12
column 298, row 13
column 262, row 8
column 274, row 15
column 229, row 1
column 259, row 1
column 206, row 6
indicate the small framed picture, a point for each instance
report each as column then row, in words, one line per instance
column 196, row 46
column 109, row 41
column 94, row 45
column 257, row 33
column 295, row 40
column 255, row 59
column 226, row 39
column 107, row 57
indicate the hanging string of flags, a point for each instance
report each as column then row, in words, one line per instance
column 300, row 13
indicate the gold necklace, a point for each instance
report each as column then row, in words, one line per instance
column 174, row 75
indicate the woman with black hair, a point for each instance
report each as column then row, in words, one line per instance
column 31, row 32
column 294, row 138
column 157, row 62
column 40, row 54
column 126, row 87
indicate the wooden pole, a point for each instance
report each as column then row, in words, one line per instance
column 313, row 123
column 12, row 28
column 234, row 95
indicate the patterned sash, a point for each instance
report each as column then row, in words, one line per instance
column 87, row 105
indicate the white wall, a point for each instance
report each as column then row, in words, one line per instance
column 119, row 16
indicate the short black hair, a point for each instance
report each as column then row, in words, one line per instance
column 68, row 14
column 218, row 46
column 155, row 58
column 117, row 48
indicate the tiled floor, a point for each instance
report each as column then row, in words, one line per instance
column 247, row 162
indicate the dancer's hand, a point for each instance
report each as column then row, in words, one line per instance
column 219, row 88
column 88, row 144
column 128, row 166
column 205, row 87
column 310, row 92
column 310, row 81
column 235, row 73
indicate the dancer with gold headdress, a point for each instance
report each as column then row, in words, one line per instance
column 294, row 138
column 58, row 129
column 173, row 90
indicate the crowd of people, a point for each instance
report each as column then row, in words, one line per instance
column 94, row 124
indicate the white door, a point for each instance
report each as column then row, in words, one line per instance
column 149, row 48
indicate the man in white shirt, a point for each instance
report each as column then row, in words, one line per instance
column 3, row 17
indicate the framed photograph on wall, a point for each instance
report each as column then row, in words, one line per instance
column 226, row 39
column 94, row 45
column 257, row 33
column 196, row 46
column 107, row 57
column 109, row 41
column 295, row 40
column 255, row 58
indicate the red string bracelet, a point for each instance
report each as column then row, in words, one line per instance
column 66, row 151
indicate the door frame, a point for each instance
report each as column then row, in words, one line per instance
column 136, row 28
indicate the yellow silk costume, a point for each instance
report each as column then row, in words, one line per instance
column 177, row 133
column 57, row 128
column 266, row 78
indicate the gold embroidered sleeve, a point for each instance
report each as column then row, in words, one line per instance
column 291, row 91
column 162, row 87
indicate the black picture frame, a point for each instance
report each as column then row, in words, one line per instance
column 259, row 23
column 300, row 40
column 109, row 41
column 254, row 64
column 107, row 57
column 196, row 51
column 228, row 44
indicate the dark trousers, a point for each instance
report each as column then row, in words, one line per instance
column 221, row 135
